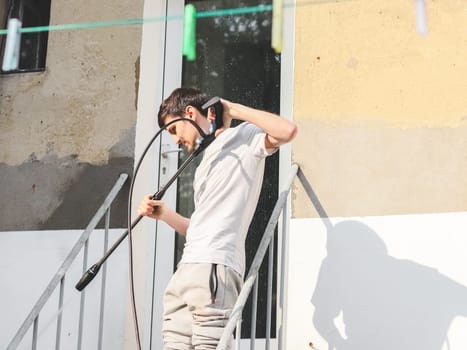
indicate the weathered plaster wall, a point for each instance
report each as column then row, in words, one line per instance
column 381, row 109
column 67, row 133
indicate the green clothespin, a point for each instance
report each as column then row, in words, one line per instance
column 13, row 41
column 189, row 32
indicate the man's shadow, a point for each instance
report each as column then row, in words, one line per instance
column 385, row 302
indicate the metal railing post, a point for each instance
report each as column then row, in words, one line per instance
column 35, row 329
column 269, row 293
column 60, row 311
column 238, row 334
column 254, row 307
column 82, row 298
column 103, row 282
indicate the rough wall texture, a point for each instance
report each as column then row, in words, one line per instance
column 67, row 133
column 381, row 108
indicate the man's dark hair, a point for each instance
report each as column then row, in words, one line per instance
column 179, row 99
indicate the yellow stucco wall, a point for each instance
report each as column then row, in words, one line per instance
column 381, row 109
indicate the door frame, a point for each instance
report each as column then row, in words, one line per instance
column 154, row 242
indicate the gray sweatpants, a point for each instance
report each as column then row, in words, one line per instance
column 191, row 319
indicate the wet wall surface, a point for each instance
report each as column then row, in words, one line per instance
column 60, row 193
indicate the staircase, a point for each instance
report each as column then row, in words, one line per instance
column 56, row 289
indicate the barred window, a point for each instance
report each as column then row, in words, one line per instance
column 33, row 47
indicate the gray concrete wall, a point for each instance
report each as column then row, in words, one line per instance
column 68, row 132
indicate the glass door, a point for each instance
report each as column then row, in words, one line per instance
column 235, row 61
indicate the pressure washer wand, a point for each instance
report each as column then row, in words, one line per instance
column 214, row 103
column 89, row 275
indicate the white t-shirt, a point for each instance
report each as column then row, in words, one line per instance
column 226, row 186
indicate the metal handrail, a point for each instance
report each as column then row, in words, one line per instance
column 60, row 274
column 236, row 314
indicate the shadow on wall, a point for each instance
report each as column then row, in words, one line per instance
column 386, row 303
column 60, row 193
column 83, row 197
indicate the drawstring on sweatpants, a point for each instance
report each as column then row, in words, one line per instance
column 213, row 283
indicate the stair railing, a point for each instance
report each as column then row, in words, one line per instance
column 58, row 280
column 251, row 281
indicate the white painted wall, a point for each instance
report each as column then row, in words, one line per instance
column 29, row 260
column 399, row 282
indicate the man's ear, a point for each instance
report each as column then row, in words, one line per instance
column 190, row 112
column 194, row 114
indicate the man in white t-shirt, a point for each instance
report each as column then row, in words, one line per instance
column 201, row 294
